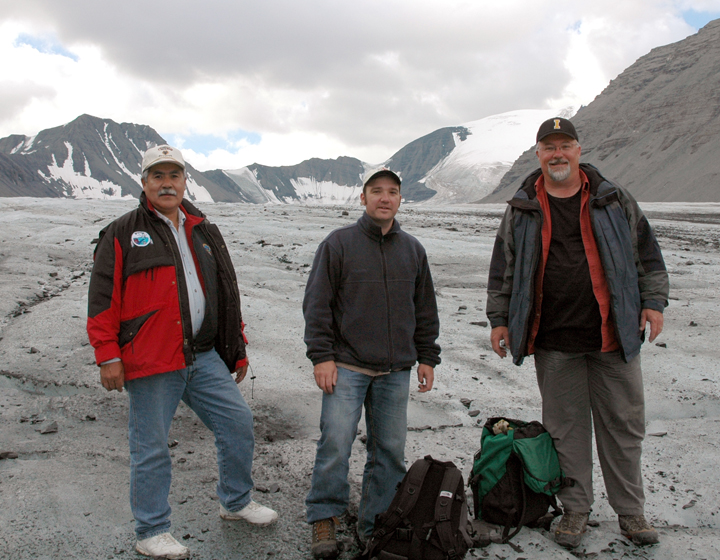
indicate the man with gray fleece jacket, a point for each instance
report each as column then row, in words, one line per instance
column 370, row 315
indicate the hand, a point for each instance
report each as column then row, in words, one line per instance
column 326, row 376
column 426, row 377
column 497, row 336
column 112, row 376
column 240, row 373
column 655, row 318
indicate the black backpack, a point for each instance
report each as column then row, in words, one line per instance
column 515, row 476
column 427, row 519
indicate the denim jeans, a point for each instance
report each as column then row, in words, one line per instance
column 210, row 390
column 385, row 398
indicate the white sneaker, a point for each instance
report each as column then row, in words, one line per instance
column 252, row 513
column 163, row 545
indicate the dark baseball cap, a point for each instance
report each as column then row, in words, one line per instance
column 557, row 126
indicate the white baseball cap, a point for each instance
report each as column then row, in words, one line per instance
column 381, row 172
column 162, row 154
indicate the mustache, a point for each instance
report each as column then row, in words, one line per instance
column 557, row 160
column 167, row 190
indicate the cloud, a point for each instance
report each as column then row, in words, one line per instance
column 359, row 79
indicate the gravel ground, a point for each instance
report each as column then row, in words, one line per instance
column 65, row 495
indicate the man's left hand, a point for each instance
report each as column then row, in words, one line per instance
column 655, row 318
column 426, row 376
column 241, row 373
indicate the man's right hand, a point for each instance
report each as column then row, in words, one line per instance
column 112, row 376
column 326, row 376
column 498, row 335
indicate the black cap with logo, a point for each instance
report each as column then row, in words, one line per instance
column 557, row 126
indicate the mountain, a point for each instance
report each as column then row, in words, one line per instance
column 89, row 158
column 450, row 165
column 655, row 128
column 99, row 158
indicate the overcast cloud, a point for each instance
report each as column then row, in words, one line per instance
column 279, row 81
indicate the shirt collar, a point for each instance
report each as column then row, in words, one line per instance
column 181, row 219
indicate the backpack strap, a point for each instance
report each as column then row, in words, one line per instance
column 402, row 503
column 443, row 510
column 517, row 477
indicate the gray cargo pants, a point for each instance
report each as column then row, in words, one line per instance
column 601, row 386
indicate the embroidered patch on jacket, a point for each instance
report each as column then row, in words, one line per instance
column 140, row 239
column 207, row 248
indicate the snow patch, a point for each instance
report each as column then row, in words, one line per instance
column 310, row 191
column 79, row 185
column 477, row 164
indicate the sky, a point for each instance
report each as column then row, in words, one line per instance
column 279, row 81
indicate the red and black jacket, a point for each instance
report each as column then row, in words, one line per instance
column 138, row 307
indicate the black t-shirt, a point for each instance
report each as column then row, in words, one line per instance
column 570, row 319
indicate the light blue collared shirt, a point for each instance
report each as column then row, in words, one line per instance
column 196, row 297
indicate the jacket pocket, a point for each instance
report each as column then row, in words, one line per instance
column 130, row 328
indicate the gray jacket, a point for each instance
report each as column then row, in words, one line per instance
column 629, row 252
column 370, row 300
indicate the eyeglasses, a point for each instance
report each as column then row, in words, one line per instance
column 565, row 148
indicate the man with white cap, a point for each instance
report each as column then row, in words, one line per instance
column 164, row 318
column 370, row 315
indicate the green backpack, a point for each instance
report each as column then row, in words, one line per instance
column 515, row 475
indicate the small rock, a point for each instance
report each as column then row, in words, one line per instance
column 479, row 323
column 90, row 417
column 690, row 504
column 274, row 487
column 263, row 489
column 51, row 428
column 8, row 455
column 692, row 324
column 182, row 460
column 466, row 402
column 345, row 213
column 34, row 350
column 462, row 308
column 661, row 344
column 363, row 439
column 187, row 536
column 173, row 443
column 689, row 263
column 658, row 434
column 473, row 413
column 420, row 429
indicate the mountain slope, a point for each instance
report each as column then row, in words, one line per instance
column 656, row 128
column 87, row 158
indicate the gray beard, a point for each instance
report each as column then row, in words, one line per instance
column 559, row 176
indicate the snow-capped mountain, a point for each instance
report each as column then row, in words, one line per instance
column 484, row 150
column 450, row 165
column 86, row 158
column 99, row 158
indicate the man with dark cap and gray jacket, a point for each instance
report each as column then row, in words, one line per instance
column 370, row 315
column 576, row 276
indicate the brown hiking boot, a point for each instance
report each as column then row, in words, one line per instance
column 638, row 530
column 324, row 543
column 570, row 530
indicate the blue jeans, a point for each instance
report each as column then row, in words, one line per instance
column 210, row 390
column 385, row 398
